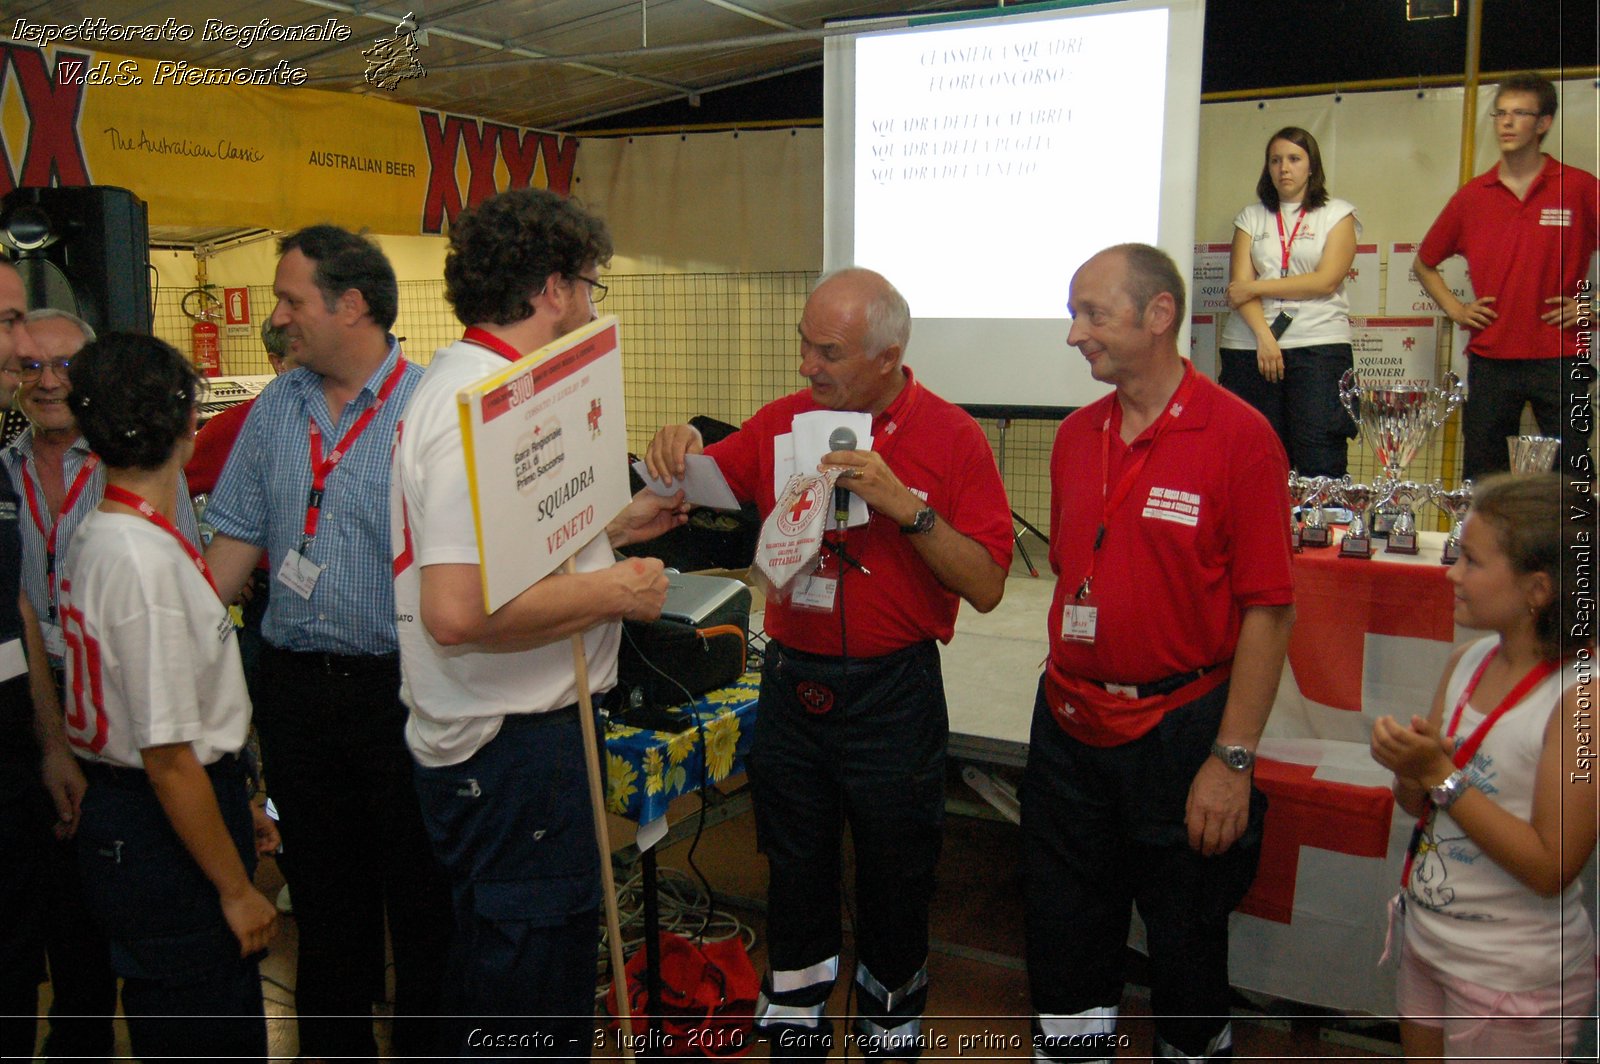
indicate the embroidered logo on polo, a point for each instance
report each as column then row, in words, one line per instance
column 816, row 697
column 1555, row 216
column 1170, row 504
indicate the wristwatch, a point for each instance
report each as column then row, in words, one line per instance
column 922, row 522
column 1448, row 792
column 1238, row 758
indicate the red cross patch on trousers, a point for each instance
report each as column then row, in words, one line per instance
column 816, row 697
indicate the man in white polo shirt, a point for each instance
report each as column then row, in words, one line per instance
column 494, row 722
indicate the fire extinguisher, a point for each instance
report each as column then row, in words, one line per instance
column 204, row 308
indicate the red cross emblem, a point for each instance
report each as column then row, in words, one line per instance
column 806, row 499
column 817, row 698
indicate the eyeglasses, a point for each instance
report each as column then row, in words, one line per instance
column 32, row 369
column 1498, row 114
column 597, row 291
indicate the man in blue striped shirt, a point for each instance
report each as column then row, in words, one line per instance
column 308, row 481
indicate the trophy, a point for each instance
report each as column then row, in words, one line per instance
column 1403, row 533
column 1357, row 542
column 1313, row 529
column 1396, row 417
column 1532, row 454
column 1455, row 504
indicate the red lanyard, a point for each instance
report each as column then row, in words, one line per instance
column 321, row 467
column 1287, row 244
column 1111, row 498
column 137, row 502
column 85, row 471
column 1465, row 750
column 484, row 338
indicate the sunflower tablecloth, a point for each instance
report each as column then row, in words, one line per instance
column 646, row 770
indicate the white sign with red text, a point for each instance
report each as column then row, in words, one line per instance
column 1210, row 287
column 1394, row 349
column 1363, row 284
column 1405, row 293
column 547, row 457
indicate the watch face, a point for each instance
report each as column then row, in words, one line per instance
column 1237, row 758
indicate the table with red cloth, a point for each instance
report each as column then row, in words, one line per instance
column 1371, row 639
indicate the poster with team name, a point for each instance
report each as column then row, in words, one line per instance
column 1210, row 287
column 547, row 457
column 1406, row 294
column 1394, row 349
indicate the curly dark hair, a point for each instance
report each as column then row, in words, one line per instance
column 133, row 396
column 344, row 261
column 504, row 250
column 1316, row 179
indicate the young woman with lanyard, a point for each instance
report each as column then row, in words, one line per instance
column 1499, row 954
column 1287, row 343
column 157, row 714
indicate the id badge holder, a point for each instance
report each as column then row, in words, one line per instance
column 1080, row 616
column 816, row 591
column 299, row 574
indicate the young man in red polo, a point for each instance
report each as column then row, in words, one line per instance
column 1527, row 228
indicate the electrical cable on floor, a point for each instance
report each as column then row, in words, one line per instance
column 686, row 909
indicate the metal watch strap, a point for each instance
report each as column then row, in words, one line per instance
column 1448, row 792
column 1237, row 758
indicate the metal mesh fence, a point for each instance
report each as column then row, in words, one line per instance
column 720, row 345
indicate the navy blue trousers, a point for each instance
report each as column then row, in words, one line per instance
column 186, row 991
column 1103, row 829
column 513, row 829
column 1303, row 408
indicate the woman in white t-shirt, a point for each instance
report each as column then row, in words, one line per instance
column 1499, row 953
column 157, row 714
column 1287, row 343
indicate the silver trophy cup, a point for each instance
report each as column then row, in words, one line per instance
column 1403, row 533
column 1455, row 504
column 1532, row 454
column 1313, row 530
column 1357, row 542
column 1397, row 417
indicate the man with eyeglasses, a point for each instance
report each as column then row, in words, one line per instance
column 60, row 482
column 307, row 481
column 493, row 697
column 33, row 743
column 1528, row 230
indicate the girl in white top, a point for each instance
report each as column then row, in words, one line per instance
column 1287, row 343
column 1499, row 954
column 157, row 713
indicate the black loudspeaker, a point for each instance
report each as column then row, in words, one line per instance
column 85, row 250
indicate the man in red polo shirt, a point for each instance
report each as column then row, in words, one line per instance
column 852, row 721
column 1527, row 228
column 1168, row 630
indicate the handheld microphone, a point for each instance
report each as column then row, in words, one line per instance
column 842, row 438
